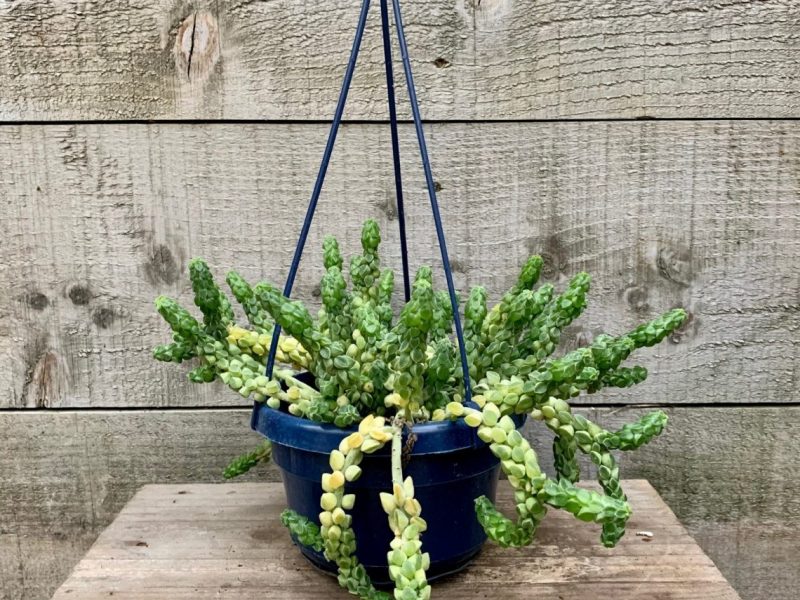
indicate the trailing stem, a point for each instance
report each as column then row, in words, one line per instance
column 407, row 562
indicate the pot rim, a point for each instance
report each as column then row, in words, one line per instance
column 433, row 437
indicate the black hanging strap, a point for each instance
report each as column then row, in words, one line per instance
column 398, row 180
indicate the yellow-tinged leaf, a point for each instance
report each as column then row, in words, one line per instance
column 337, row 460
column 352, row 472
column 399, row 495
column 366, row 424
column 370, row 445
column 455, row 409
column 388, row 502
column 474, row 419
column 381, row 435
column 354, row 440
column 408, row 487
column 337, row 480
column 328, row 501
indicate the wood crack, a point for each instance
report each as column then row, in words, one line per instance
column 191, row 49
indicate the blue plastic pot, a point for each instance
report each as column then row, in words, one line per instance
column 450, row 465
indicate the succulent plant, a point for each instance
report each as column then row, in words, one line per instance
column 382, row 374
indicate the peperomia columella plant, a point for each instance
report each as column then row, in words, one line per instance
column 378, row 374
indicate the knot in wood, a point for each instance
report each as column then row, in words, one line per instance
column 197, row 46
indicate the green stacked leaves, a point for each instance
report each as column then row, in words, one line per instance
column 242, row 464
column 306, row 532
column 409, row 364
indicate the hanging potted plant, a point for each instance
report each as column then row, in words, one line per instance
column 409, row 418
column 365, row 412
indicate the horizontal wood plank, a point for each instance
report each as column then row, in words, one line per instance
column 545, row 592
column 99, row 219
column 488, row 59
column 193, row 557
column 721, row 470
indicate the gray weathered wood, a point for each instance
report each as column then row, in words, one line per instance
column 101, row 219
column 209, row 540
column 66, row 474
column 488, row 59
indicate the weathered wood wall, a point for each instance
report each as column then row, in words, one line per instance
column 135, row 135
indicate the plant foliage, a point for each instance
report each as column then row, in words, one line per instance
column 379, row 372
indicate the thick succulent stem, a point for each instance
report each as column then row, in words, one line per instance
column 566, row 462
column 503, row 339
column 532, row 488
column 409, row 364
column 258, row 317
column 383, row 307
column 365, row 269
column 302, row 529
column 177, row 351
column 336, row 302
column 289, row 351
column 331, row 256
column 474, row 316
column 544, row 332
column 245, row 462
column 407, row 563
column 519, row 462
column 587, row 505
column 440, row 375
column 527, row 278
column 216, row 309
column 339, row 541
column 442, row 323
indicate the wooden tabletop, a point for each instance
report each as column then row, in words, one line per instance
column 174, row 542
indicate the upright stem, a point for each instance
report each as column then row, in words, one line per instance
column 397, row 452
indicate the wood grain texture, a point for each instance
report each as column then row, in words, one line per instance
column 721, row 470
column 66, row 475
column 98, row 220
column 488, row 59
column 209, row 540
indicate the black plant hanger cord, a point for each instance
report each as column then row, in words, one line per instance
column 426, row 165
